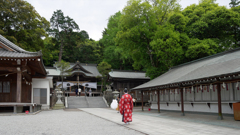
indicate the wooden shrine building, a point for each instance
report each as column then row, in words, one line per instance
column 18, row 69
column 83, row 75
column 121, row 79
column 209, row 85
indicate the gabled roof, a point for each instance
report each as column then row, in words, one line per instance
column 10, row 50
column 128, row 74
column 220, row 64
column 88, row 70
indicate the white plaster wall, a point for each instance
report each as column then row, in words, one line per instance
column 42, row 83
column 197, row 107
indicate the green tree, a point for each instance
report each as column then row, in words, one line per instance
column 234, row 3
column 61, row 28
column 166, row 44
column 21, row 24
column 50, row 51
column 210, row 21
column 200, row 48
column 104, row 68
column 64, row 69
column 112, row 53
column 138, row 24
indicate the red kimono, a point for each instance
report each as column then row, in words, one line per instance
column 126, row 107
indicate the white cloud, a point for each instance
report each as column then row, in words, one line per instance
column 91, row 15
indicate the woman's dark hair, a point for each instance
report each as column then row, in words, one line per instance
column 125, row 90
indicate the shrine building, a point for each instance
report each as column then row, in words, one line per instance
column 207, row 85
column 121, row 79
column 83, row 75
column 23, row 81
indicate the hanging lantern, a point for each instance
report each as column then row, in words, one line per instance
column 192, row 89
column 237, row 86
column 155, row 92
column 223, row 85
column 211, row 87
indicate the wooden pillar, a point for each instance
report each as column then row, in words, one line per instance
column 31, row 108
column 19, row 86
column 220, row 117
column 182, row 103
column 142, row 100
column 158, row 102
column 15, row 109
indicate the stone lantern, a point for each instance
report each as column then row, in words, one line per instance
column 115, row 94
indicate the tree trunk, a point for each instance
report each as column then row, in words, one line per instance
column 60, row 53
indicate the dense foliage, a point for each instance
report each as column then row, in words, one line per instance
column 157, row 34
column 147, row 35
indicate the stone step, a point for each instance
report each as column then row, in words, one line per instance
column 96, row 102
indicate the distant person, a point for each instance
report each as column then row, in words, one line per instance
column 126, row 107
column 118, row 104
column 90, row 92
column 76, row 91
column 79, row 91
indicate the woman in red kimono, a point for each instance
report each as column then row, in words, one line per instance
column 126, row 107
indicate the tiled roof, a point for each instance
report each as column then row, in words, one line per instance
column 216, row 65
column 128, row 74
column 91, row 68
column 17, row 51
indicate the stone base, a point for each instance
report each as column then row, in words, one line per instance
column 58, row 106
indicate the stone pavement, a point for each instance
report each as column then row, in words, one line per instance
column 172, row 123
column 60, row 122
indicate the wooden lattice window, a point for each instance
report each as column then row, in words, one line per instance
column 6, row 87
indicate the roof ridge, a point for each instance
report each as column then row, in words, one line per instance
column 133, row 71
column 15, row 47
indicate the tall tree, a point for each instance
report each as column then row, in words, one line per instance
column 112, row 53
column 61, row 28
column 104, row 68
column 63, row 68
column 138, row 24
column 234, row 3
column 21, row 24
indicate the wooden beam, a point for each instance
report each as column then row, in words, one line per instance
column 19, row 87
column 10, row 69
column 182, row 102
column 220, row 117
column 27, row 76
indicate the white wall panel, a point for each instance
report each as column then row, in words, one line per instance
column 198, row 94
column 206, row 94
column 172, row 95
column 214, row 96
column 225, row 92
column 237, row 92
column 177, row 95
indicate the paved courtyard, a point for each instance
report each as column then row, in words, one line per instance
column 172, row 123
column 105, row 121
column 60, row 122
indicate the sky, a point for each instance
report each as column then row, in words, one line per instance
column 92, row 15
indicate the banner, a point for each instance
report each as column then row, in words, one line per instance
column 68, row 84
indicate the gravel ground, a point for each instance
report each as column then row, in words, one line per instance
column 60, row 122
